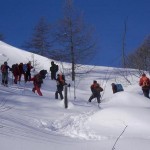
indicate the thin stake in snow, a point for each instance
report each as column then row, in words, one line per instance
column 119, row 137
column 65, row 97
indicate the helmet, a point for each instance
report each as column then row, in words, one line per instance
column 5, row 62
column 143, row 75
column 94, row 81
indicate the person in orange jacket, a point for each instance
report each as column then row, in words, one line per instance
column 96, row 89
column 145, row 84
column 60, row 84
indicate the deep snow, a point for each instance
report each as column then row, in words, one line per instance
column 31, row 122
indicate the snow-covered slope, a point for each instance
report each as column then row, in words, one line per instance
column 14, row 55
column 30, row 122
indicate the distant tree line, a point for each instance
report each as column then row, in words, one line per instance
column 140, row 58
column 40, row 42
column 71, row 39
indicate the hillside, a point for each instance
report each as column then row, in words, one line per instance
column 31, row 122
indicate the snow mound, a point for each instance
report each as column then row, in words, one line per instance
column 128, row 99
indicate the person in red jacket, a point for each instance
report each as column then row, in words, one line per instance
column 16, row 72
column 145, row 84
column 96, row 89
column 37, row 82
column 21, row 71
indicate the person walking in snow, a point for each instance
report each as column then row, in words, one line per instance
column 4, row 70
column 21, row 71
column 28, row 72
column 145, row 84
column 60, row 84
column 96, row 89
column 16, row 72
column 37, row 82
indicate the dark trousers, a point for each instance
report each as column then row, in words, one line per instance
column 27, row 76
column 4, row 78
column 15, row 79
column 21, row 75
column 146, row 92
column 60, row 93
column 95, row 96
column 53, row 75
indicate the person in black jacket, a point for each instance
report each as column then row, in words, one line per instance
column 28, row 72
column 53, row 69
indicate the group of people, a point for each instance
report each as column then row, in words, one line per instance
column 144, row 82
column 21, row 69
column 17, row 71
column 25, row 70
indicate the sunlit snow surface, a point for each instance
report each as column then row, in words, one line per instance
column 31, row 122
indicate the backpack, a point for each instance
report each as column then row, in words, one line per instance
column 43, row 73
column 99, row 89
column 145, row 82
column 3, row 68
column 24, row 67
column 119, row 87
column 13, row 67
column 62, row 79
column 56, row 68
column 38, row 79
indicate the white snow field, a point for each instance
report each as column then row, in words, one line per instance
column 32, row 122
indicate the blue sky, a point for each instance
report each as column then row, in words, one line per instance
column 18, row 17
